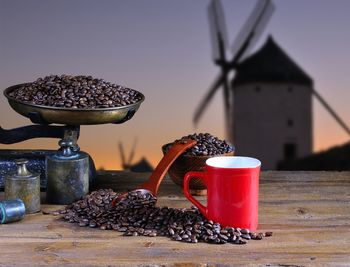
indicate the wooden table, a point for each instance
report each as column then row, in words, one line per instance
column 309, row 213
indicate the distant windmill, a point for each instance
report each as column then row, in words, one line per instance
column 141, row 166
column 271, row 69
column 247, row 37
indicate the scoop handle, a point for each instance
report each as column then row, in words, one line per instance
column 153, row 182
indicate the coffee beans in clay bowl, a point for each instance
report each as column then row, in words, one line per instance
column 194, row 159
column 74, row 100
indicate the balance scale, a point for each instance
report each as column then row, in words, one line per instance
column 66, row 127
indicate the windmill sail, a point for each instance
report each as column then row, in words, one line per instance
column 332, row 112
column 205, row 101
column 252, row 29
column 122, row 155
column 217, row 27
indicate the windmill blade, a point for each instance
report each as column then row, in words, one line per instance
column 132, row 153
column 122, row 155
column 203, row 104
column 252, row 29
column 259, row 30
column 227, row 106
column 331, row 111
column 217, row 27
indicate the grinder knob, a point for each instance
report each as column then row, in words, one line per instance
column 21, row 167
column 66, row 146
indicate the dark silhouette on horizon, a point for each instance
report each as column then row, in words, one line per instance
column 142, row 165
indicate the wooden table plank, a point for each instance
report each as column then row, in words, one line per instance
column 309, row 213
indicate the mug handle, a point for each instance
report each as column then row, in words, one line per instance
column 201, row 175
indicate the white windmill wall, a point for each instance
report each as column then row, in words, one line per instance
column 269, row 116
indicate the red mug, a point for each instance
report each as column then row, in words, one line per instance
column 232, row 191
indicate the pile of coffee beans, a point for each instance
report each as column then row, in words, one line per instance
column 137, row 215
column 207, row 145
column 68, row 91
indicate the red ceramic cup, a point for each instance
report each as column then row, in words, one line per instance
column 232, row 191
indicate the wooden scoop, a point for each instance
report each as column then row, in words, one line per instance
column 152, row 184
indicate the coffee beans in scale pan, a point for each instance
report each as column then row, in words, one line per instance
column 76, row 92
column 74, row 100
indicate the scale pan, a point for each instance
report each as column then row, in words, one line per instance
column 70, row 116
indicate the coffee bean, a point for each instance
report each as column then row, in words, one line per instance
column 246, row 236
column 137, row 215
column 223, row 237
column 82, row 224
column 68, row 91
column 245, row 231
column 128, row 233
column 268, row 234
column 92, row 224
column 240, row 241
column 194, row 240
column 209, row 232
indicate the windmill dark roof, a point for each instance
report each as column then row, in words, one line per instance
column 270, row 64
column 142, row 166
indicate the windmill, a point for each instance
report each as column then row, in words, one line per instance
column 244, row 42
column 126, row 165
column 141, row 166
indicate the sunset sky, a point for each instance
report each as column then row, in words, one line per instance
column 162, row 48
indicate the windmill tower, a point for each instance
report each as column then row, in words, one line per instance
column 273, row 108
column 268, row 105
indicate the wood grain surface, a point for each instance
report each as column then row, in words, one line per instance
column 309, row 213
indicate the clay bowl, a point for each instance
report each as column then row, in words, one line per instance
column 186, row 163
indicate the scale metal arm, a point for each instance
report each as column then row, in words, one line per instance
column 24, row 133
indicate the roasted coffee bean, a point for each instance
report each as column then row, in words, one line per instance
column 233, row 238
column 209, row 232
column 194, row 240
column 253, row 235
column 137, row 215
column 207, row 145
column 92, row 224
column 245, row 231
column 68, row 91
column 128, row 233
column 82, row 224
column 246, row 236
column 223, row 237
column 240, row 241
column 268, row 234
column 153, row 234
